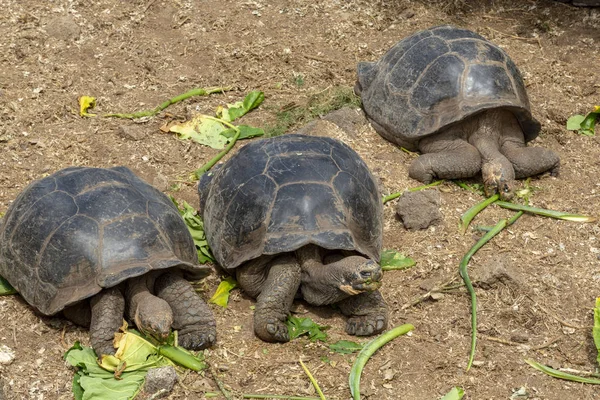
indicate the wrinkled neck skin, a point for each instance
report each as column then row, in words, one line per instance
column 330, row 283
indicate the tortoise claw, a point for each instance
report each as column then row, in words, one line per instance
column 366, row 325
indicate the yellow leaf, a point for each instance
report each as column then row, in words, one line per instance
column 221, row 296
column 132, row 351
column 596, row 108
column 86, row 103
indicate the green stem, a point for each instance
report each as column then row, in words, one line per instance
column 561, row 375
column 312, row 380
column 465, row 276
column 6, row 288
column 181, row 357
column 176, row 99
column 468, row 216
column 415, row 189
column 276, row 396
column 367, row 351
column 546, row 213
column 202, row 170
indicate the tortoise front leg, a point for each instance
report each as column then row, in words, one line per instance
column 276, row 297
column 192, row 317
column 108, row 308
column 367, row 313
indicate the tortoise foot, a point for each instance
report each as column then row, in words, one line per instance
column 366, row 325
column 271, row 330
column 197, row 338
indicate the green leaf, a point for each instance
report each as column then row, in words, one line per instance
column 345, row 347
column 125, row 388
column 596, row 329
column 560, row 374
column 455, row 394
column 574, row 122
column 221, row 296
column 202, row 129
column 246, row 132
column 77, row 389
column 239, row 108
column 301, row 326
column 392, row 260
column 6, row 288
column 196, row 227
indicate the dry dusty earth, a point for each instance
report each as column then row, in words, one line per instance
column 133, row 55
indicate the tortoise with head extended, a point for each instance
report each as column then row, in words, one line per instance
column 96, row 242
column 298, row 215
column 460, row 100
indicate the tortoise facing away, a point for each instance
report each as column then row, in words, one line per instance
column 460, row 100
column 97, row 243
column 298, row 215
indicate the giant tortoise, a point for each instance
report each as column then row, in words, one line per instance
column 298, row 215
column 460, row 100
column 95, row 242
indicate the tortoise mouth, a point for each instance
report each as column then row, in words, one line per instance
column 362, row 287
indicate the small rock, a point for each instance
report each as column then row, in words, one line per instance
column 134, row 132
column 63, row 28
column 350, row 120
column 419, row 210
column 160, row 379
column 7, row 355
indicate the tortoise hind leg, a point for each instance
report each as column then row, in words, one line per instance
column 367, row 312
column 108, row 308
column 275, row 298
column 445, row 158
column 192, row 317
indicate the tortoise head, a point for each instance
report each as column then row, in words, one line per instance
column 154, row 318
column 496, row 180
column 333, row 282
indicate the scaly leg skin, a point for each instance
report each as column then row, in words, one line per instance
column 367, row 313
column 192, row 317
column 108, row 307
column 529, row 161
column 274, row 302
column 445, row 156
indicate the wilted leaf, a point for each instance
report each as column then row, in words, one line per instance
column 132, row 350
column 86, row 103
column 392, row 260
column 6, row 288
column 202, row 129
column 221, row 296
column 455, row 394
column 345, row 347
column 196, row 228
column 301, row 326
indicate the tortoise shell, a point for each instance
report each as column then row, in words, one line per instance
column 79, row 230
column 436, row 78
column 279, row 194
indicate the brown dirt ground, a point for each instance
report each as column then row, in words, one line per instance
column 132, row 55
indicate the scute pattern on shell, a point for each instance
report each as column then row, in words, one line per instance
column 75, row 232
column 277, row 195
column 438, row 77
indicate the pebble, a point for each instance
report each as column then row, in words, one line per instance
column 160, row 379
column 7, row 355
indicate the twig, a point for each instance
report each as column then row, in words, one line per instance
column 547, row 344
column 316, row 58
column 219, row 383
column 312, row 380
column 579, row 372
column 537, row 40
column 176, row 99
column 158, row 394
column 500, row 340
column 438, row 288
column 414, row 189
column 561, row 321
